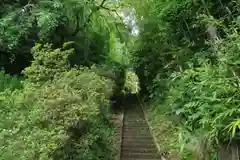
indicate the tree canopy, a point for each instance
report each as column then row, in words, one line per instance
column 63, row 60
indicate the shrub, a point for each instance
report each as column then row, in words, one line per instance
column 48, row 62
column 62, row 118
column 131, row 82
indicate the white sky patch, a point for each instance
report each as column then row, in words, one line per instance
column 130, row 20
column 135, row 31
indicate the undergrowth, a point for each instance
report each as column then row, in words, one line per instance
column 9, row 82
column 62, row 116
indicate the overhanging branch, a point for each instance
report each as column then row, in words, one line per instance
column 78, row 28
column 101, row 6
column 112, row 10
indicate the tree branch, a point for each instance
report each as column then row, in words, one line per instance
column 101, row 6
column 112, row 10
column 78, row 28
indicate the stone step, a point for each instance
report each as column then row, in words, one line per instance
column 135, row 132
column 137, row 137
column 136, row 125
column 141, row 150
column 135, row 128
column 133, row 142
column 134, row 119
column 129, row 134
column 134, row 115
column 140, row 155
column 140, row 127
column 135, row 122
column 138, row 140
column 140, row 159
column 139, row 145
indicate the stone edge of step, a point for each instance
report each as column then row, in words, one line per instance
column 150, row 130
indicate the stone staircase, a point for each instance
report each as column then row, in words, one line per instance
column 137, row 141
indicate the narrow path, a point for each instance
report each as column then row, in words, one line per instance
column 137, row 142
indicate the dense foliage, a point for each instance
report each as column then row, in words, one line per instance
column 73, row 56
column 87, row 23
column 187, row 61
column 61, row 62
column 63, row 118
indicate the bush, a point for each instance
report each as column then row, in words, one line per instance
column 62, row 118
column 131, row 82
column 48, row 62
